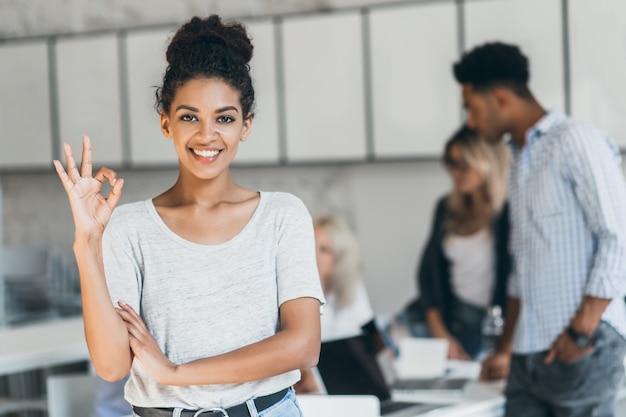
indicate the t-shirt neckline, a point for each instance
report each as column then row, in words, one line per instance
column 199, row 246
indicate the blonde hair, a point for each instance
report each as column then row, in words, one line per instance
column 346, row 274
column 491, row 160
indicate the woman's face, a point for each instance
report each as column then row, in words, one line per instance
column 325, row 255
column 206, row 123
column 466, row 179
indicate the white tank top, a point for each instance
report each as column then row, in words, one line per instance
column 472, row 266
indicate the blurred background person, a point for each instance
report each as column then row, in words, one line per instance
column 465, row 264
column 347, row 306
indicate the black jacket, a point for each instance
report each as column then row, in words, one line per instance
column 433, row 276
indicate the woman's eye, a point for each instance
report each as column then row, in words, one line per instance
column 225, row 119
column 188, row 118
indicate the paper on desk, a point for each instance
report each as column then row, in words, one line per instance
column 463, row 369
column 421, row 358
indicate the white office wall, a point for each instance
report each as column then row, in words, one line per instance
column 89, row 94
column 598, row 69
column 25, row 112
column 324, row 97
column 262, row 144
column 415, row 104
column 534, row 25
column 145, row 54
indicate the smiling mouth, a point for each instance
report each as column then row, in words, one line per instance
column 205, row 153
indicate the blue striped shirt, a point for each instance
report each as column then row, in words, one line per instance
column 568, row 228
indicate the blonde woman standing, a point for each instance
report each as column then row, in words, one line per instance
column 465, row 264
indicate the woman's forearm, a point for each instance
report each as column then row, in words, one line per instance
column 436, row 324
column 296, row 346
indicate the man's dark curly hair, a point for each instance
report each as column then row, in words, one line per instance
column 494, row 64
column 208, row 48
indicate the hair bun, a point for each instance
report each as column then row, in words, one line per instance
column 208, row 36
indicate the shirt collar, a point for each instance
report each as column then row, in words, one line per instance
column 543, row 125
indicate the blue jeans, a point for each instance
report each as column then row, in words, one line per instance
column 287, row 407
column 464, row 324
column 585, row 387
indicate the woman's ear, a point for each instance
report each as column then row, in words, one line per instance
column 165, row 125
column 247, row 125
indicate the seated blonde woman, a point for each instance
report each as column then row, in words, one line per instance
column 347, row 305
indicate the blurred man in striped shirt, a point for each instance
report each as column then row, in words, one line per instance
column 564, row 341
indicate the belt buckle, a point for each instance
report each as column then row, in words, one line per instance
column 211, row 410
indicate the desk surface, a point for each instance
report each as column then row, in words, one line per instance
column 477, row 399
column 44, row 344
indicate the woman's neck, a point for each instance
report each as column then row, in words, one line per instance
column 191, row 190
column 470, row 214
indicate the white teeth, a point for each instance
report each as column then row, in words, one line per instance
column 205, row 154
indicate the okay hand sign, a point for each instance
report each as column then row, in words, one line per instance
column 90, row 209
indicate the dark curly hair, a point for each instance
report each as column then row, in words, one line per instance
column 494, row 64
column 208, row 48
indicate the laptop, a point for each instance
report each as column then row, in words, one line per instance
column 421, row 367
column 349, row 367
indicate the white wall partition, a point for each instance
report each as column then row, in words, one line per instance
column 262, row 145
column 89, row 95
column 324, row 87
column 25, row 106
column 145, row 56
column 535, row 26
column 598, row 64
column 415, row 101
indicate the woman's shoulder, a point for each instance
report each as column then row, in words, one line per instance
column 282, row 201
column 129, row 213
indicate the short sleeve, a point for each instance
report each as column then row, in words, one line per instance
column 121, row 270
column 296, row 266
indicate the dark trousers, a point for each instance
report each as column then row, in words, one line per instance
column 585, row 387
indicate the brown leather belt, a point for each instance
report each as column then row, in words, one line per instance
column 239, row 410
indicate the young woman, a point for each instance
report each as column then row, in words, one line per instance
column 215, row 291
column 465, row 264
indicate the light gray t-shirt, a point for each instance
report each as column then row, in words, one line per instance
column 204, row 300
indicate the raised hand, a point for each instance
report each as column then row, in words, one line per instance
column 90, row 209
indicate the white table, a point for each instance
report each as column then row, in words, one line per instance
column 44, row 344
column 37, row 346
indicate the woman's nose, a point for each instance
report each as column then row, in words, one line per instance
column 208, row 130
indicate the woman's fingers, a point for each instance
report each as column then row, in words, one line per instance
column 131, row 317
column 106, row 174
column 116, row 192
column 86, row 168
column 72, row 171
column 65, row 179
